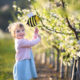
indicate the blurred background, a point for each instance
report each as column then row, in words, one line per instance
column 7, row 13
column 59, row 28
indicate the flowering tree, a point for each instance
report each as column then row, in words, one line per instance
column 59, row 25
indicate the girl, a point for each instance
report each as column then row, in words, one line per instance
column 24, row 67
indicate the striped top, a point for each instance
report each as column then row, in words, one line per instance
column 23, row 48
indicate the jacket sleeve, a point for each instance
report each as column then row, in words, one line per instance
column 29, row 43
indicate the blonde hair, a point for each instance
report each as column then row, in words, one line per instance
column 12, row 27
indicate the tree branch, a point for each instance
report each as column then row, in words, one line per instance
column 70, row 26
column 68, row 22
column 50, row 31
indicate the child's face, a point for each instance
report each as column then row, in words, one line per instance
column 19, row 33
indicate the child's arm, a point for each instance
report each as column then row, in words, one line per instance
column 27, row 44
column 36, row 40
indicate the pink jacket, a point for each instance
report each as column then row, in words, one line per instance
column 23, row 47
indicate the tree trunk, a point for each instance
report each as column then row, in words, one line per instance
column 62, row 69
column 74, row 70
column 78, row 70
column 57, row 63
column 66, row 70
column 70, row 71
column 53, row 63
column 45, row 58
column 57, row 59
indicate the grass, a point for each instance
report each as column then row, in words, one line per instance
column 7, row 54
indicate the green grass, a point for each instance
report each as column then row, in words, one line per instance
column 7, row 59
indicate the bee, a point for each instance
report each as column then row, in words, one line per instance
column 33, row 20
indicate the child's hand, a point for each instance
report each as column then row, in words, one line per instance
column 39, row 36
column 36, row 30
